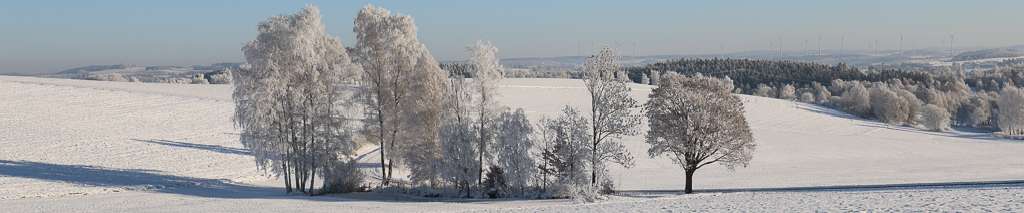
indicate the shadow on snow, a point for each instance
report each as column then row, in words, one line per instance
column 140, row 180
column 152, row 181
column 211, row 148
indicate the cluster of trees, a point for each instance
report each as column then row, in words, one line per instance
column 107, row 77
column 219, row 77
column 291, row 101
column 215, row 77
column 301, row 103
column 932, row 107
column 994, row 80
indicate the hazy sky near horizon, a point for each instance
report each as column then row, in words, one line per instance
column 51, row 35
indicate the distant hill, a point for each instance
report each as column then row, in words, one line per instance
column 92, row 68
column 1005, row 52
column 144, row 73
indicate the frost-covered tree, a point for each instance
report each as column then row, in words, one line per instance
column 612, row 112
column 935, row 118
column 402, row 91
column 888, row 106
column 975, row 112
column 655, row 76
column 107, row 77
column 807, row 97
column 913, row 105
column 199, row 79
column 787, row 92
column 514, row 142
column 486, row 71
column 729, row 84
column 223, row 77
column 459, row 150
column 567, row 152
column 822, row 95
column 764, row 91
column 459, row 154
column 621, row 76
column 856, row 100
column 697, row 125
column 291, row 98
column 1011, row 110
column 644, row 79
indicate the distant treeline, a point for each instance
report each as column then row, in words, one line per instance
column 747, row 73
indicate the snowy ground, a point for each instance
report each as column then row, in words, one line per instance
column 111, row 146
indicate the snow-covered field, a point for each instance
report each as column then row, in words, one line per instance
column 115, row 147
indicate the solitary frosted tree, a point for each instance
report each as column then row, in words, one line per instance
column 612, row 112
column 291, row 98
column 402, row 91
column 486, row 71
column 696, row 124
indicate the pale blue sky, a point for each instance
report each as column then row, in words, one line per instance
column 50, row 35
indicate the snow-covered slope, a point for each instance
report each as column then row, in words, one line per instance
column 111, row 146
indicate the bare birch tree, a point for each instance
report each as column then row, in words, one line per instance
column 486, row 72
column 402, row 87
column 612, row 112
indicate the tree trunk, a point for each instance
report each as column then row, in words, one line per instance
column 299, row 177
column 312, row 179
column 391, row 163
column 593, row 166
column 287, row 181
column 480, row 150
column 480, row 171
column 689, row 181
column 383, row 170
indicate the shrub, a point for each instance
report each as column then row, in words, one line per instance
column 807, row 97
column 342, row 176
column 494, row 182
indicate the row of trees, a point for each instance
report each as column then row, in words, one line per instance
column 747, row 74
column 936, row 106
